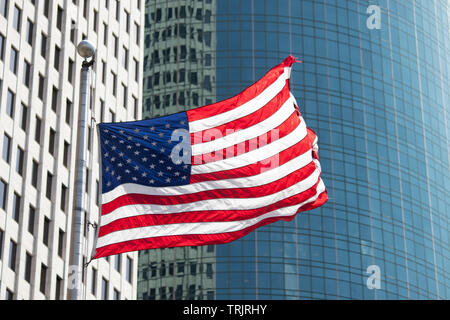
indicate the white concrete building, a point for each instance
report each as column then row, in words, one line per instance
column 39, row 97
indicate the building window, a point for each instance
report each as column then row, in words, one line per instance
column 166, row 55
column 28, row 262
column 46, row 8
column 95, row 22
column 209, row 270
column 4, row 7
column 68, row 111
column 45, row 235
column 125, row 95
column 29, row 32
column 153, row 269
column 31, row 217
column 2, row 46
column 9, row 295
column 125, row 58
column 192, row 55
column 129, row 274
column 63, row 198
column 104, row 289
column 137, row 31
column 2, row 234
column 94, row 282
column 10, row 101
column 112, row 116
column 57, row 56
column 105, row 34
column 43, row 276
column 193, row 77
column 193, row 268
column 12, row 255
column 179, row 292
column 61, row 236
column 103, row 72
column 43, row 43
column 85, row 9
column 102, row 110
column 24, row 117
column 115, row 45
column 6, row 154
column 208, row 60
column 49, row 185
column 117, row 262
column 195, row 99
column 17, row 18
column 116, row 294
column 66, row 154
column 117, row 10
column 58, row 289
column 54, row 98
column 136, row 107
column 13, row 60
column 41, row 87
column 34, row 173
column 73, row 29
column 152, row 295
column 97, row 193
column 182, row 75
column 70, row 71
column 51, row 142
column 114, row 83
column 20, row 160
column 59, row 17
column 16, row 207
column 89, row 137
column 37, row 132
column 26, row 73
column 127, row 22
column 3, row 194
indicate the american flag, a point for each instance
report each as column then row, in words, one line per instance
column 209, row 175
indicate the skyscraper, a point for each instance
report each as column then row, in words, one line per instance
column 179, row 73
column 39, row 85
column 374, row 86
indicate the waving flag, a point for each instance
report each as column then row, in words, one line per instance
column 208, row 175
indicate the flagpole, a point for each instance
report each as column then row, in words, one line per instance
column 86, row 50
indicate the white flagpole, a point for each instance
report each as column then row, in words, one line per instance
column 86, row 50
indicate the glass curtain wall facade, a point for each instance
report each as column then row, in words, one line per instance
column 374, row 86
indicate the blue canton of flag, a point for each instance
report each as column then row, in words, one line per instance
column 141, row 152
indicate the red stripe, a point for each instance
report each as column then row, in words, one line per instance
column 242, row 123
column 266, row 138
column 260, row 191
column 241, row 98
column 196, row 239
column 205, row 215
column 255, row 168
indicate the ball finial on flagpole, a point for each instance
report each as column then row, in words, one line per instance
column 86, row 49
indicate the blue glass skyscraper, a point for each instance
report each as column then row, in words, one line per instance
column 374, row 85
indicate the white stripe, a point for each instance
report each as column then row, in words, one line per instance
column 243, row 182
column 200, row 227
column 256, row 155
column 254, row 131
column 211, row 204
column 245, row 109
